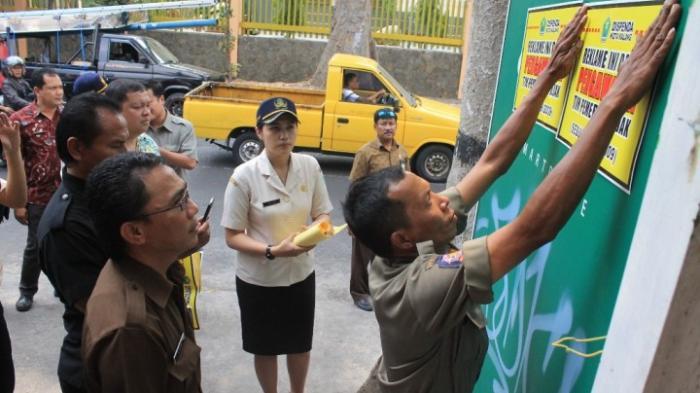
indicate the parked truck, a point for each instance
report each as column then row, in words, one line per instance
column 122, row 56
column 224, row 114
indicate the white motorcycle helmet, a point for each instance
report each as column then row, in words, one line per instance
column 14, row 61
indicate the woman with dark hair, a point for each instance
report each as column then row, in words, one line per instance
column 268, row 200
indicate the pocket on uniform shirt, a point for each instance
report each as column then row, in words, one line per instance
column 187, row 362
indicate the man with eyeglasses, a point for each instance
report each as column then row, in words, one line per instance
column 137, row 335
column 91, row 129
column 374, row 156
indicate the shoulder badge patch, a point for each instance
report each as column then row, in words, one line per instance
column 450, row 261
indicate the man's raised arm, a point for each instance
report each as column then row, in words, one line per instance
column 556, row 198
column 501, row 152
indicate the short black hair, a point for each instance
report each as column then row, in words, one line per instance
column 156, row 87
column 348, row 77
column 118, row 89
column 117, row 194
column 80, row 119
column 369, row 212
column 38, row 76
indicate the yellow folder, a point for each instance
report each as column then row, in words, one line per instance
column 193, row 284
column 317, row 233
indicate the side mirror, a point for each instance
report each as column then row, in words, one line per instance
column 144, row 61
column 388, row 99
column 393, row 101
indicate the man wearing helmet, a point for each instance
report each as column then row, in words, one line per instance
column 17, row 91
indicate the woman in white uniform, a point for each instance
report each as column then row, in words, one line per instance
column 268, row 200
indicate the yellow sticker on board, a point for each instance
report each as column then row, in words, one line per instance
column 610, row 34
column 543, row 27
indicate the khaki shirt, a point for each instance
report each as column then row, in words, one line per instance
column 176, row 135
column 430, row 320
column 373, row 157
column 137, row 336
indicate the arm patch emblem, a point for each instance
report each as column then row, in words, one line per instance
column 450, row 261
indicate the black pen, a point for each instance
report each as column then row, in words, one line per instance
column 208, row 210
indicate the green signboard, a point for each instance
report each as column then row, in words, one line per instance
column 567, row 289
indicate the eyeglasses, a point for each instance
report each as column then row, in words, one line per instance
column 386, row 113
column 182, row 204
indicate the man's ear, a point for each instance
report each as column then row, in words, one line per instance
column 258, row 132
column 132, row 233
column 75, row 148
column 400, row 240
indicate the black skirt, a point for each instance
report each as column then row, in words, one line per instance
column 277, row 320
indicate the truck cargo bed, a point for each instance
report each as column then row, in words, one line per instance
column 254, row 92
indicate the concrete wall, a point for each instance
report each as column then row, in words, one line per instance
column 271, row 59
column 427, row 73
column 206, row 50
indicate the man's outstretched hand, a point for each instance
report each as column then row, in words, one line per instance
column 638, row 71
column 568, row 46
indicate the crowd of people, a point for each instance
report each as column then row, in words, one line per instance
column 108, row 228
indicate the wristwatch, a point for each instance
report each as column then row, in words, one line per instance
column 268, row 252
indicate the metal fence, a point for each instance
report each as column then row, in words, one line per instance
column 434, row 24
column 220, row 11
column 428, row 24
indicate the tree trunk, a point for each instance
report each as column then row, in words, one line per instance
column 486, row 29
column 350, row 33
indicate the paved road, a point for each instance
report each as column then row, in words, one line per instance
column 346, row 341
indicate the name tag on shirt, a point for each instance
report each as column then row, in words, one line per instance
column 270, row 203
column 450, row 261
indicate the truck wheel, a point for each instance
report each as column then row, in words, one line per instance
column 245, row 147
column 433, row 163
column 174, row 103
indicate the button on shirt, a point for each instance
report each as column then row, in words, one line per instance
column 71, row 256
column 373, row 157
column 137, row 336
column 176, row 135
column 269, row 211
column 430, row 319
column 41, row 162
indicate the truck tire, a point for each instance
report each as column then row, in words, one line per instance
column 174, row 103
column 245, row 147
column 433, row 163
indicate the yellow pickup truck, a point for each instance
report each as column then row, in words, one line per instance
column 224, row 114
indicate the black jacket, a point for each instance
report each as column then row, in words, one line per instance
column 17, row 92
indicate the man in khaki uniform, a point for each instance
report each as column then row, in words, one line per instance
column 378, row 154
column 137, row 335
column 426, row 293
column 174, row 135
